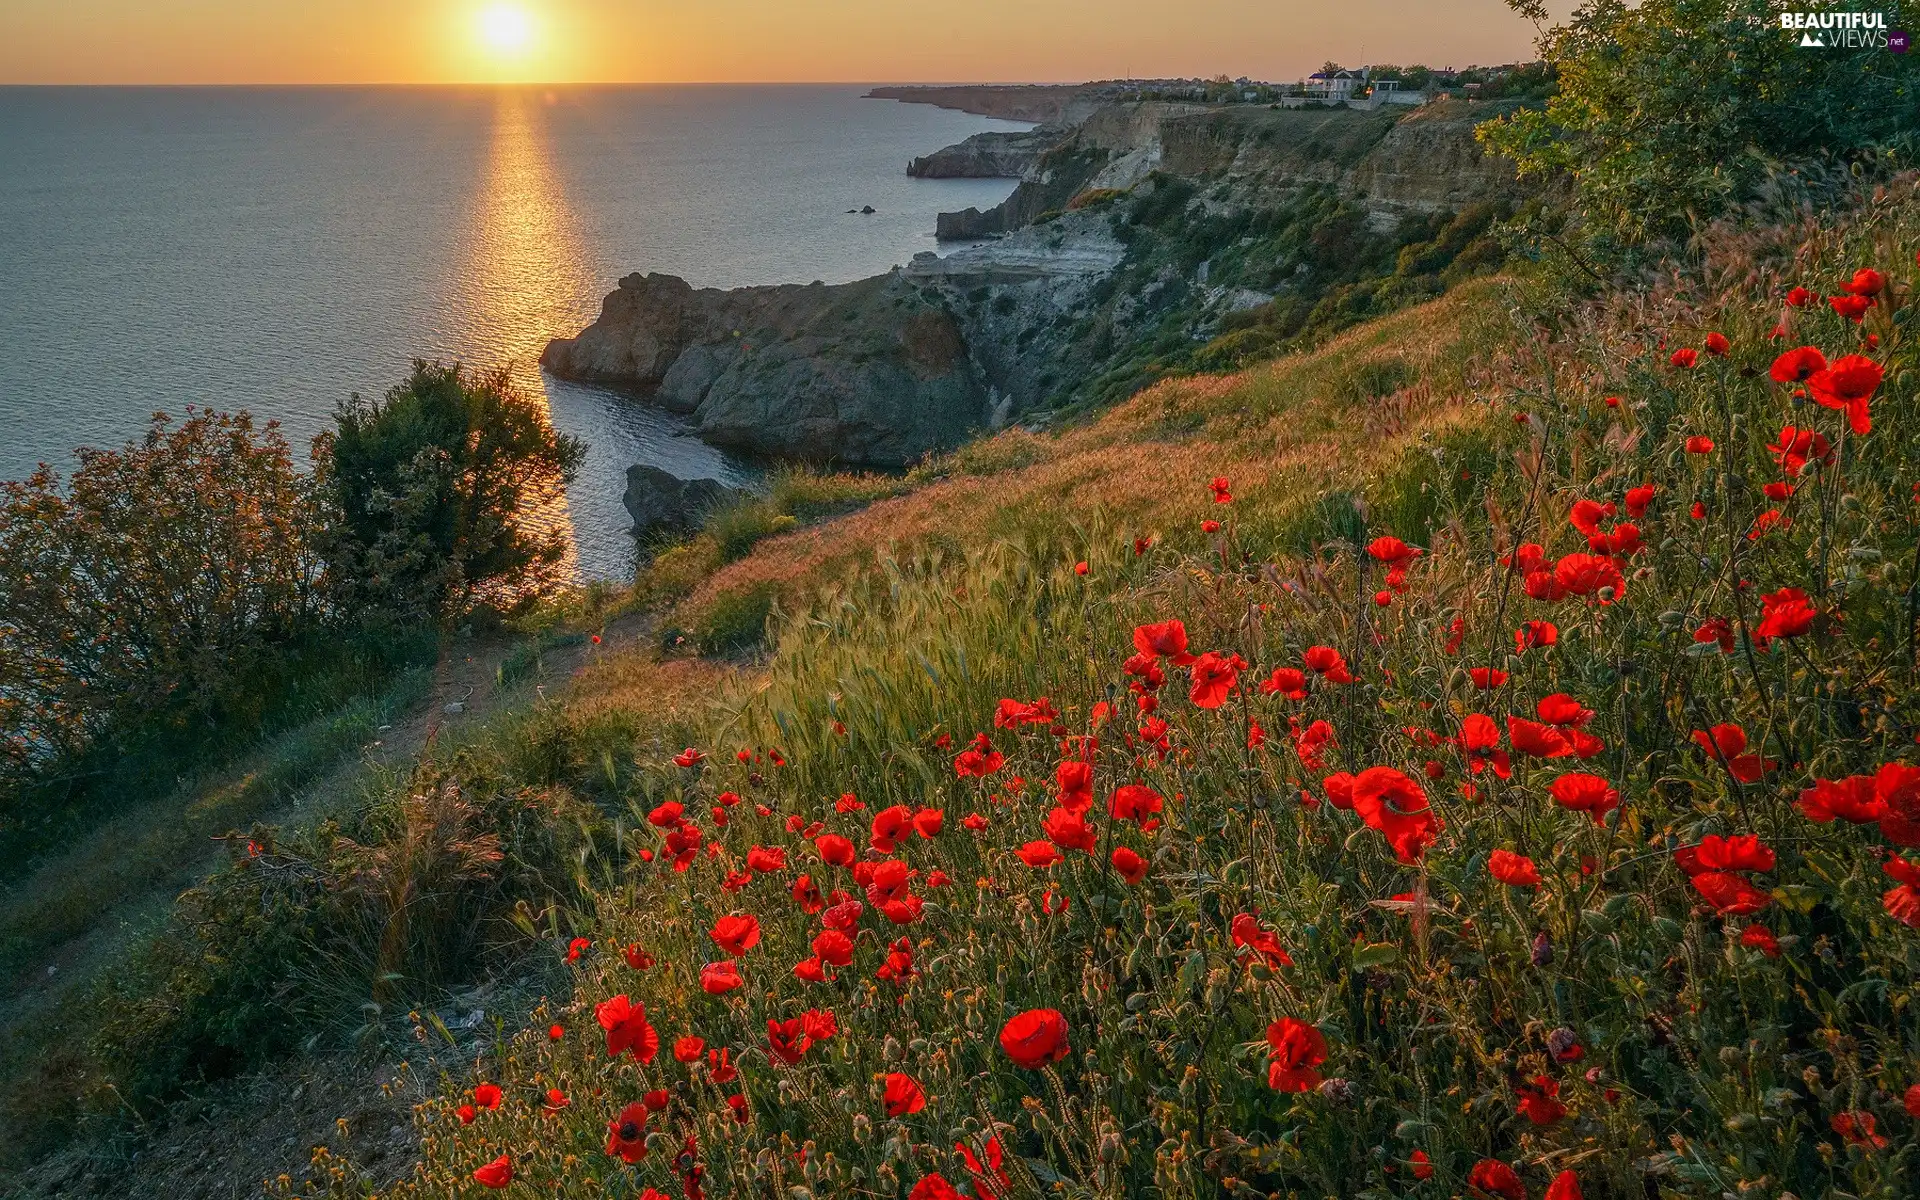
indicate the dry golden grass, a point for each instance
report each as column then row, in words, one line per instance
column 1284, row 432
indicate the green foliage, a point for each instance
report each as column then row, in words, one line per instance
column 155, row 581
column 438, row 490
column 1671, row 112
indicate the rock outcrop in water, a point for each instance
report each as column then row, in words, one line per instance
column 873, row 373
column 662, row 503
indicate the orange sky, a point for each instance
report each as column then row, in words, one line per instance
column 439, row 41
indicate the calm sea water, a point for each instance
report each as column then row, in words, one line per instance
column 277, row 249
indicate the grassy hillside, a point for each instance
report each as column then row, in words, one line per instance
column 1275, row 858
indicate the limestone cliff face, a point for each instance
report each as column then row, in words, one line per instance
column 992, row 155
column 873, row 373
column 1430, row 161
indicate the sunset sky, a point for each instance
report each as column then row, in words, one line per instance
column 443, row 41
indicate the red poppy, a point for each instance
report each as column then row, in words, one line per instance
column 1296, row 1049
column 928, row 822
column 1039, row 854
column 978, row 760
column 1903, row 901
column 974, row 822
column 717, row 979
column 1538, row 1100
column 627, row 1028
column 1253, row 940
column 1035, row 1038
column 1587, row 575
column 736, row 934
column 834, row 849
column 1168, row 639
column 557, row 1100
column 1794, row 448
column 1857, row 1127
column 1289, row 682
column 1717, row 345
column 667, row 815
column 1390, row 549
column 1686, row 356
column 1339, row 789
column 787, row 1040
column 1853, row 308
column 833, row 946
column 1535, row 635
column 889, row 825
column 1784, row 614
column 1848, row 384
column 1799, row 297
column 1514, row 870
column 1480, row 740
column 1422, row 1165
column 1563, row 710
column 1214, row 676
column 1851, row 799
column 1759, row 937
column 689, row 1049
column 1798, row 366
column 1135, row 802
column 1726, row 744
column 1537, row 740
column 903, row 1096
column 1487, row 678
column 1221, row 490
column 1865, row 282
column 934, row 1187
column 1699, row 444
column 1069, row 830
column 1326, row 662
column 1565, row 1186
column 1897, row 786
column 1495, row 1178
column 1586, row 515
column 496, row 1174
column 1131, row 866
column 487, row 1095
column 466, row 1114
column 1391, row 802
column 1586, row 793
column 688, row 757
column 767, row 858
column 1638, row 498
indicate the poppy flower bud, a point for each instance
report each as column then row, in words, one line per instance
column 1542, row 950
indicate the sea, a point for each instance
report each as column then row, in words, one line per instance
column 276, row 249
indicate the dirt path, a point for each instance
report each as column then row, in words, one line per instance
column 214, row 1147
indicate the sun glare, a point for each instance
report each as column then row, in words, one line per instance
column 505, row 30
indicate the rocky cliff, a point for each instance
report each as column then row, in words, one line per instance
column 1150, row 237
column 871, row 373
column 992, row 155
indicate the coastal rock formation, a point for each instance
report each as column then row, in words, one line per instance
column 992, row 155
column 873, row 373
column 663, row 503
column 1146, row 230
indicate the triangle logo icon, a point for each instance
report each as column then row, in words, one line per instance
column 1809, row 39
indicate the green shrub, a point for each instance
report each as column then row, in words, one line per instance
column 736, row 620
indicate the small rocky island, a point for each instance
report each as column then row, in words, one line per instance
column 1137, row 228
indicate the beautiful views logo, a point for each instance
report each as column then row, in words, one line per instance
column 1844, row 31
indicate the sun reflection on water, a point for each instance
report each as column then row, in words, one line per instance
column 526, row 277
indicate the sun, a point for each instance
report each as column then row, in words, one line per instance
column 505, row 29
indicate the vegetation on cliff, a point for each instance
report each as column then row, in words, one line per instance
column 1533, row 816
